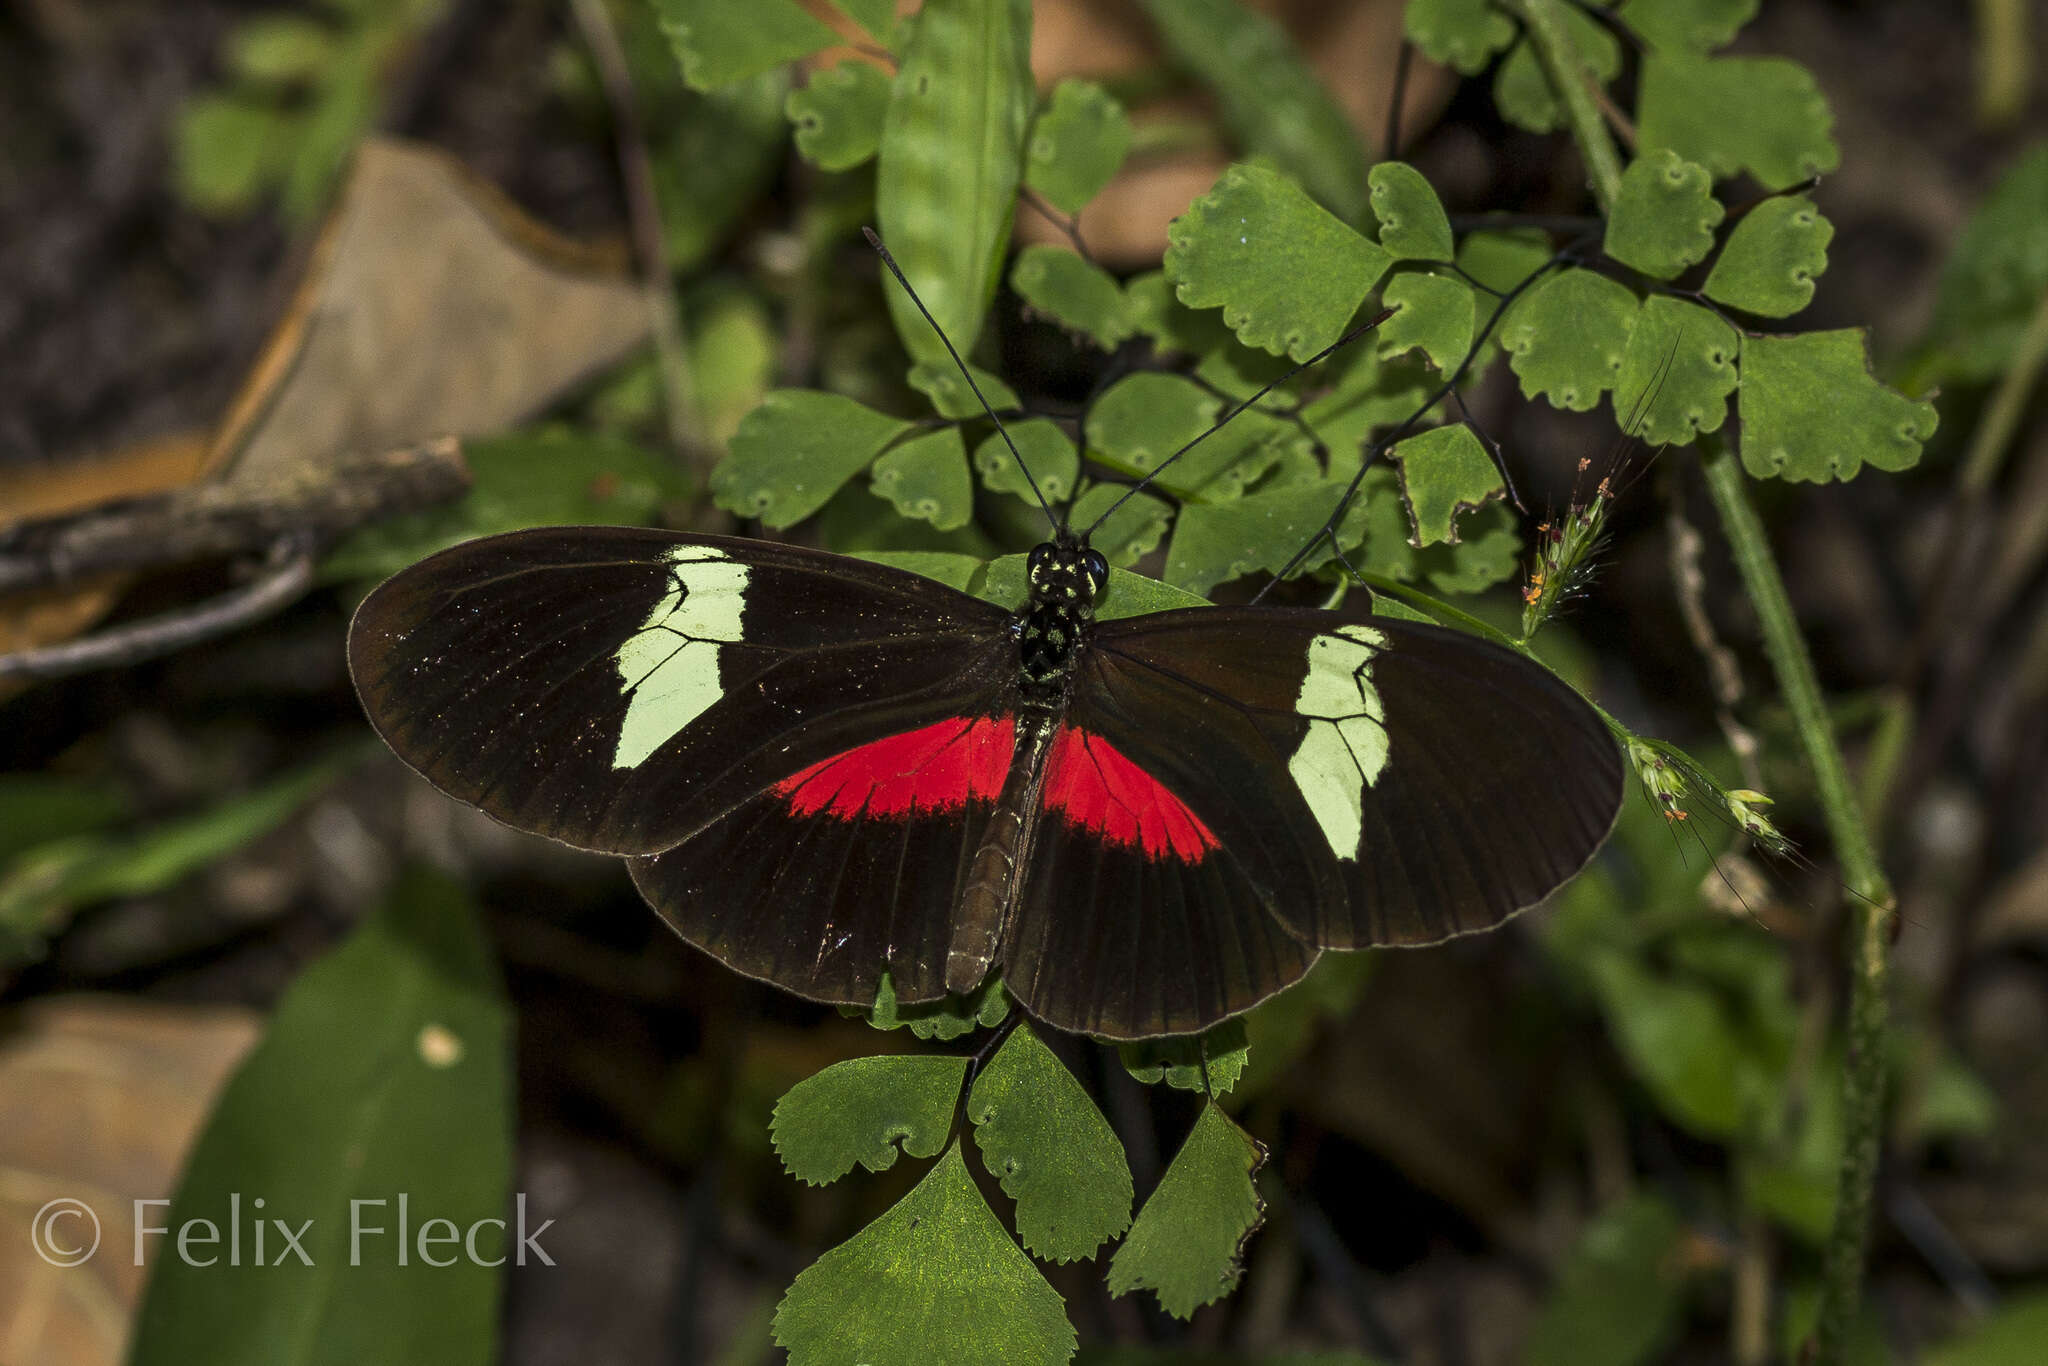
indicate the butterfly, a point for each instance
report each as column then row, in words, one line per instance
column 822, row 770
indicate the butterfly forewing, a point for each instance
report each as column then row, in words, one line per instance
column 618, row 689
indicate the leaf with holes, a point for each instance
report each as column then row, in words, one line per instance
column 1143, row 419
column 1052, row 459
column 1286, row 274
column 1185, row 1243
column 1521, row 87
column 1445, row 471
column 951, row 398
column 1679, row 368
column 1052, row 1151
column 1171, row 324
column 1215, row 542
column 1074, row 292
column 861, row 1110
column 1273, row 104
column 1566, row 341
column 1133, row 531
column 795, row 451
column 1769, row 261
column 951, row 159
column 1763, row 115
column 934, row 1279
column 926, row 478
column 1811, row 410
column 1433, row 315
column 1664, row 218
column 1413, row 224
column 1207, row 1063
column 1077, row 142
column 838, row 115
column 1460, row 34
column 719, row 43
column 950, row 1017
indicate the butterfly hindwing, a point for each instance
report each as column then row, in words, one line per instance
column 1364, row 781
column 617, row 688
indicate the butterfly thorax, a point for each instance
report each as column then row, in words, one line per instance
column 1065, row 576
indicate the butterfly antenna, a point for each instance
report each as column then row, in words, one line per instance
column 1134, row 490
column 966, row 374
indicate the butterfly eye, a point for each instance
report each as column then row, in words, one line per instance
column 1098, row 569
column 1041, row 555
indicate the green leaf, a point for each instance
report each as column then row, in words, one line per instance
column 935, row 1279
column 279, row 48
column 1053, row 461
column 1619, row 1295
column 1413, row 225
column 1127, row 595
column 948, row 1018
column 1811, row 410
column 1566, row 340
column 1680, row 1041
column 838, row 115
column 876, row 17
column 1076, row 293
column 726, row 146
column 1994, row 277
column 386, row 1069
column 1460, row 34
column 1077, row 142
column 1688, row 25
column 950, row 396
column 1434, row 315
column 2011, row 1336
column 38, row 808
column 926, row 478
column 1502, row 258
column 1679, row 369
column 1185, row 1243
column 1444, row 472
column 1144, row 418
column 1206, row 1063
column 551, row 477
column 1171, row 324
column 953, row 570
column 1270, row 101
column 1521, row 87
column 1769, row 261
column 719, row 43
column 43, row 885
column 1286, row 274
column 952, row 157
column 1764, row 115
column 1664, row 218
column 1052, row 1151
column 795, row 451
column 224, row 151
column 1133, row 531
column 1216, row 542
column 861, row 1109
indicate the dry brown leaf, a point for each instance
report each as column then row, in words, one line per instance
column 100, row 1099
column 432, row 306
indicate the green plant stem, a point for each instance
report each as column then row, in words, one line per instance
column 1992, row 438
column 1869, row 1004
column 1544, row 20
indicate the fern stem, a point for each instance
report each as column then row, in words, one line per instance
column 1869, row 1005
column 1545, row 24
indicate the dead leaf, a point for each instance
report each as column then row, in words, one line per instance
column 100, row 1099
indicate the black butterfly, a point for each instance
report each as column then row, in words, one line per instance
column 822, row 769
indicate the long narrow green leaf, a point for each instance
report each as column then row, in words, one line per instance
column 952, row 155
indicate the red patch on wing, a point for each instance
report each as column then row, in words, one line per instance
column 941, row 766
column 1089, row 780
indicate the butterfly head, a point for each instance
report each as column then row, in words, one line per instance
column 1067, row 572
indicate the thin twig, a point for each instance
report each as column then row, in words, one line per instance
column 230, row 518
column 650, row 242
column 291, row 573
